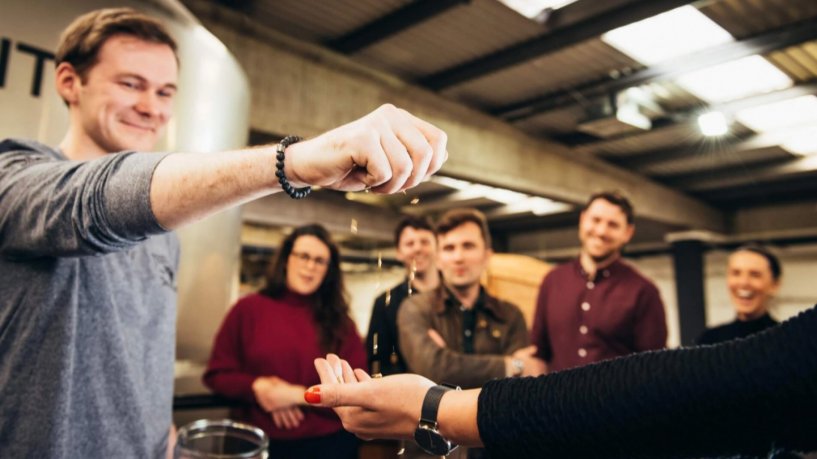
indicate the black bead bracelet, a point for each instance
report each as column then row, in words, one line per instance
column 294, row 193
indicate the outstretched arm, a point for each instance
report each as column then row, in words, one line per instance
column 387, row 150
column 744, row 396
column 53, row 207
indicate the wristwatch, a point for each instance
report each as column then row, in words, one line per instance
column 427, row 436
column 518, row 366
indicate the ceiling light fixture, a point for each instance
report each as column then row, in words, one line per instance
column 734, row 80
column 533, row 8
column 667, row 35
column 514, row 201
column 789, row 113
column 803, row 142
column 713, row 124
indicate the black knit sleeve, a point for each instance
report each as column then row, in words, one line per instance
column 742, row 396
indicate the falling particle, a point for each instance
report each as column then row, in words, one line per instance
column 353, row 227
column 415, row 201
column 412, row 274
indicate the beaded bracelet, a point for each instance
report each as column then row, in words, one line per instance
column 294, row 193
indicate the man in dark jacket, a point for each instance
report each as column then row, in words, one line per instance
column 416, row 248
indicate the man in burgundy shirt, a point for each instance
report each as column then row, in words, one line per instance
column 598, row 307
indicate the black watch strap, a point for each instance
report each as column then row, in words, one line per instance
column 431, row 402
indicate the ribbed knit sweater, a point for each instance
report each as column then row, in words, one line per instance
column 744, row 396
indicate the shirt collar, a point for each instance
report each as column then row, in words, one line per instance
column 610, row 270
column 485, row 302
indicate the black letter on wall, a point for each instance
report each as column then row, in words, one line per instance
column 5, row 46
column 42, row 56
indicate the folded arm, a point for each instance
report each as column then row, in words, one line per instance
column 425, row 357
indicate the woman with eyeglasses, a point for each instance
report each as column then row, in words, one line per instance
column 264, row 352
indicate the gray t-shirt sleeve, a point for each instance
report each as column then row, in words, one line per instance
column 53, row 207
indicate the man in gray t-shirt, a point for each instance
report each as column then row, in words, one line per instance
column 87, row 259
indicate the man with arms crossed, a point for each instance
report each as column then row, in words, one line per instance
column 598, row 307
column 87, row 257
column 458, row 333
column 417, row 249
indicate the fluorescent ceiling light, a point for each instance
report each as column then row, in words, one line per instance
column 500, row 194
column 734, row 80
column 802, row 143
column 532, row 8
column 514, row 201
column 668, row 35
column 631, row 114
column 713, row 124
column 789, row 113
column 543, row 206
column 456, row 184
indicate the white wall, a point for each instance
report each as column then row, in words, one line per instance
column 364, row 287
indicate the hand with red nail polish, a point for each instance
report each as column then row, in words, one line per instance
column 389, row 407
column 313, row 395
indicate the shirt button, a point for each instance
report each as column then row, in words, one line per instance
column 583, row 329
column 606, row 273
column 585, row 306
column 582, row 352
column 467, row 332
column 590, row 285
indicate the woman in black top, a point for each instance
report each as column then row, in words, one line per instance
column 753, row 278
column 749, row 396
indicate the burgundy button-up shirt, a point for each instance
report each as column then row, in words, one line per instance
column 580, row 321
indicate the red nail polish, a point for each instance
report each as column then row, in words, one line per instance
column 313, row 395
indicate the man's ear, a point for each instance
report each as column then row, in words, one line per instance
column 68, row 82
column 629, row 232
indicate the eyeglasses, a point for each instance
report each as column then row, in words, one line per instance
column 306, row 258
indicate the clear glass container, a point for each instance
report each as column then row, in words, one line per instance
column 222, row 439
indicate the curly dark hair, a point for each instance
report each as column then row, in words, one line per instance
column 330, row 308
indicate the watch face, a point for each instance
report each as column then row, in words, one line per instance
column 431, row 441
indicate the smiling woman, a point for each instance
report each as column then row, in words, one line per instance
column 753, row 278
column 264, row 351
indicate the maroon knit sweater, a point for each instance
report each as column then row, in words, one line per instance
column 263, row 336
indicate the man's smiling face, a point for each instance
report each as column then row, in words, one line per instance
column 126, row 99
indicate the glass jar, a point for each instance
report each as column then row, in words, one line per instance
column 222, row 439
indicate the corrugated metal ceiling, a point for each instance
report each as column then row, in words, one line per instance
column 458, row 35
column 587, row 61
column 560, row 80
column 319, row 21
column 744, row 18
